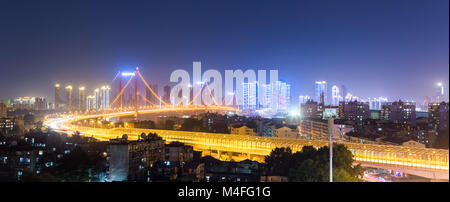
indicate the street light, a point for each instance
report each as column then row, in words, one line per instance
column 330, row 133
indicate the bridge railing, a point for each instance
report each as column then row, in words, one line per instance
column 384, row 154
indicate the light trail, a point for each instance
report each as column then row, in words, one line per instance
column 254, row 147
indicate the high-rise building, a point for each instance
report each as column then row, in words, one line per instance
column 90, row 102
column 281, row 96
column 440, row 93
column 249, row 97
column 130, row 160
column 40, row 103
column 302, row 99
column 81, row 98
column 97, row 99
column 343, row 92
column 166, row 96
column 335, row 95
column 23, row 103
column 3, row 110
column 438, row 116
column 104, row 97
column 376, row 103
column 309, row 109
column 69, row 97
column 354, row 111
column 266, row 98
column 57, row 100
column 399, row 112
column 321, row 92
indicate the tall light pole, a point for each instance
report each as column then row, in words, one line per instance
column 330, row 134
column 136, row 72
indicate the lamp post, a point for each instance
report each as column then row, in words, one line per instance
column 330, row 134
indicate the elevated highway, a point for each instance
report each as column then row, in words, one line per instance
column 425, row 162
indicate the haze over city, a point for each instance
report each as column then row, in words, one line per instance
column 207, row 91
column 395, row 49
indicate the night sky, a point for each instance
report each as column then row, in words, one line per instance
column 394, row 48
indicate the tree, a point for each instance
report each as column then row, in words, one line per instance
column 305, row 172
column 311, row 165
column 279, row 161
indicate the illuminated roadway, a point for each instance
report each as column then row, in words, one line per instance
column 425, row 162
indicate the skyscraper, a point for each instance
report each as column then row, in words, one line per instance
column 440, row 93
column 249, row 98
column 399, row 112
column 438, row 116
column 281, row 96
column 266, row 98
column 104, row 96
column 57, row 99
column 90, row 102
column 354, row 110
column 321, row 92
column 81, row 98
column 2, row 110
column 343, row 92
column 302, row 99
column 97, row 98
column 69, row 97
column 335, row 95
column 166, row 96
column 40, row 103
column 376, row 103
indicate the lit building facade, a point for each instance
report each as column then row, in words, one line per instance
column 354, row 111
column 97, row 99
column 40, row 103
column 243, row 130
column 281, row 96
column 81, row 98
column 3, row 110
column 57, row 99
column 376, row 103
column 438, row 116
column 440, row 93
column 130, row 160
column 335, row 95
column 104, row 97
column 69, row 97
column 90, row 102
column 249, row 96
column 309, row 109
column 399, row 112
column 343, row 92
column 321, row 92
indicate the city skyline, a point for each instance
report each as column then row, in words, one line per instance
column 224, row 91
column 412, row 59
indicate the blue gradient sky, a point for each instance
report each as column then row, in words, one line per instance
column 398, row 49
